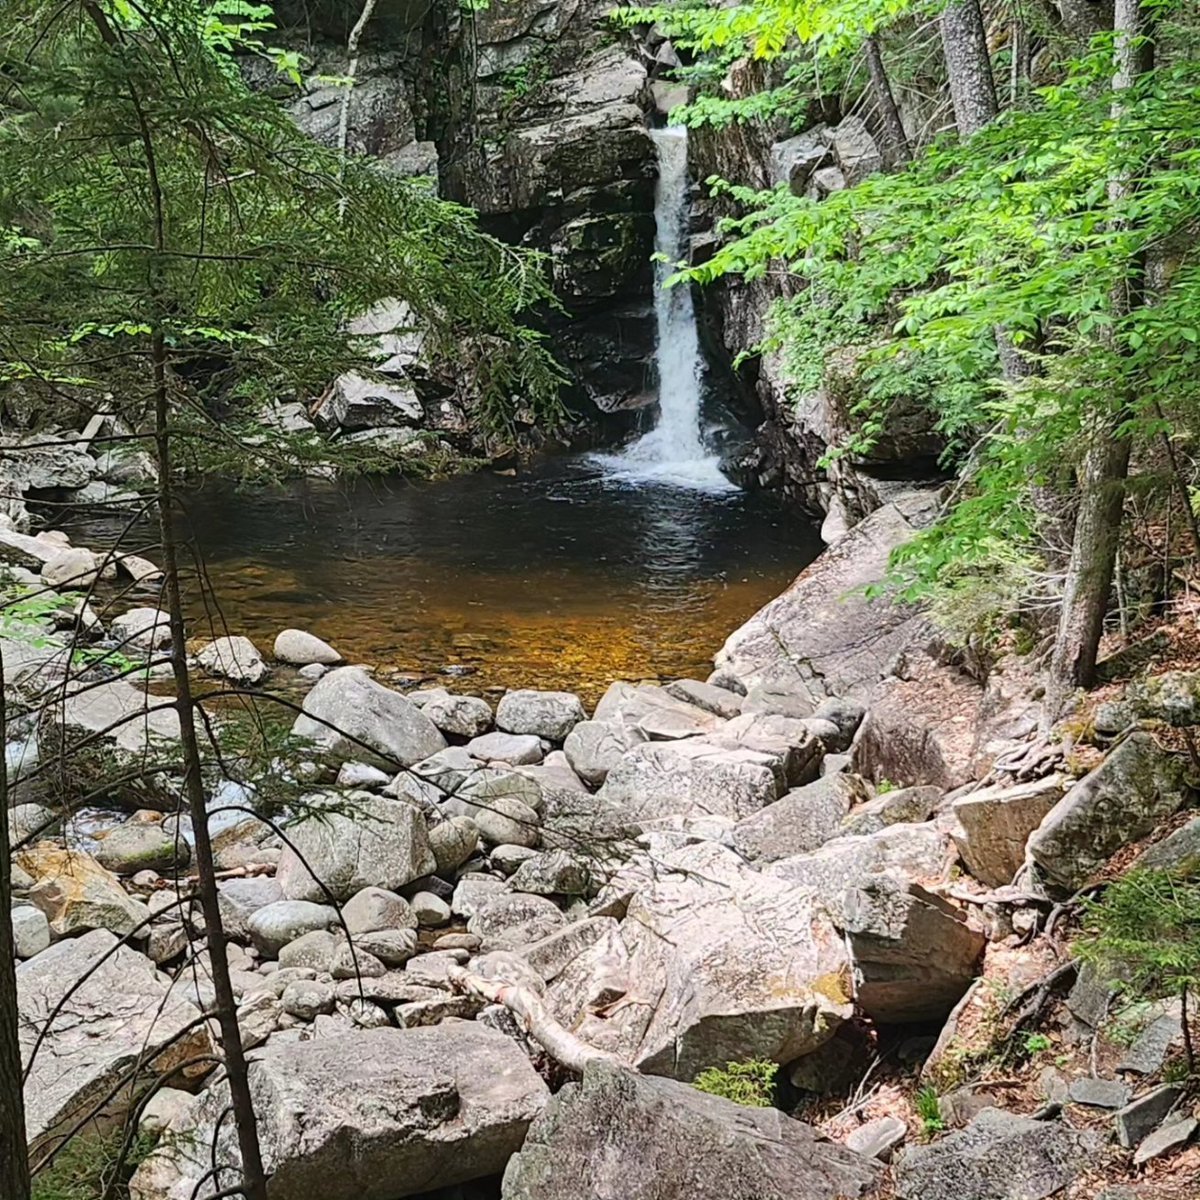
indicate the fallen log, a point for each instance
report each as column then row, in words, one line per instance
column 558, row 1041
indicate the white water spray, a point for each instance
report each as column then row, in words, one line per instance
column 673, row 451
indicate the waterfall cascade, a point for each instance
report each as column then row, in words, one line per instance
column 673, row 452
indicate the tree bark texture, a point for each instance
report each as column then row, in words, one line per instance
column 1083, row 19
column 964, row 45
column 897, row 147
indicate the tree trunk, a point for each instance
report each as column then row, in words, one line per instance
column 1106, row 461
column 898, row 151
column 253, row 1181
column 964, row 45
column 1018, row 79
column 14, row 1156
column 1090, row 570
column 1083, row 19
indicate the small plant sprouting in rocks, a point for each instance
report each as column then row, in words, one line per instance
column 929, row 1109
column 750, row 1083
column 1036, row 1043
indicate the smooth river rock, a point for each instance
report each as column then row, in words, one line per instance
column 550, row 715
column 234, row 658
column 350, row 717
column 302, row 649
column 593, row 748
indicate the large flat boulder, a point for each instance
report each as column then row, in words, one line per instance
column 1134, row 789
column 1000, row 1156
column 920, row 852
column 620, row 1134
column 550, row 715
column 654, row 712
column 352, row 718
column 376, row 1114
column 353, row 841
column 802, row 821
column 122, row 1020
column 115, row 713
column 823, row 635
column 692, row 778
column 723, row 964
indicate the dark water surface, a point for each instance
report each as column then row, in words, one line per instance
column 558, row 577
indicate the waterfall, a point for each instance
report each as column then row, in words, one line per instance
column 673, row 451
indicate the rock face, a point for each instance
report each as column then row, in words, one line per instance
column 356, row 402
column 821, row 636
column 695, row 778
column 347, row 711
column 619, row 1134
column 912, row 953
column 995, row 823
column 1123, row 799
column 119, row 1017
column 569, row 168
column 353, row 842
column 722, row 964
column 999, row 1157
column 372, row 1115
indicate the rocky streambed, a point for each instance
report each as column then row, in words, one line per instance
column 804, row 853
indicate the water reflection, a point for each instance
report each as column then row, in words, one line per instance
column 560, row 577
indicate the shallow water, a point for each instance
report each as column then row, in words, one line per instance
column 561, row 577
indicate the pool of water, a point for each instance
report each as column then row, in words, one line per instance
column 561, row 576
